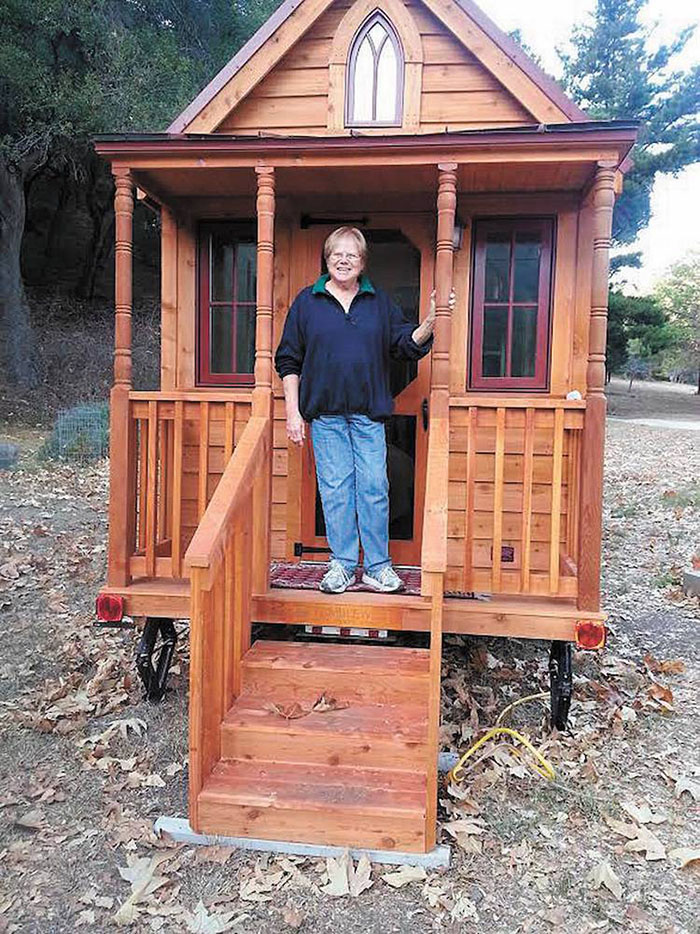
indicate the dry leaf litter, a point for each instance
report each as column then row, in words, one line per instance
column 613, row 843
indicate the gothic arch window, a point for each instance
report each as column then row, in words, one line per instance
column 375, row 75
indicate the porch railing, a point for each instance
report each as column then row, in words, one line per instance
column 514, row 485
column 179, row 446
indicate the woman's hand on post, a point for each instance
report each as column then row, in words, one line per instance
column 427, row 325
column 296, row 428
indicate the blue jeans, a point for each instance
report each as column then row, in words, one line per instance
column 350, row 453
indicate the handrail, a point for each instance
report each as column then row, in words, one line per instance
column 201, row 395
column 221, row 559
column 208, row 542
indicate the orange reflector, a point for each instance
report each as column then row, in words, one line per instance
column 110, row 609
column 590, row 635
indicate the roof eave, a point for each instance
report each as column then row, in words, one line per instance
column 622, row 133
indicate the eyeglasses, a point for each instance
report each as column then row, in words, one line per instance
column 350, row 257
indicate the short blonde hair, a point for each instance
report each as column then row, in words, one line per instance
column 332, row 239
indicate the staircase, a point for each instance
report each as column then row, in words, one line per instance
column 353, row 775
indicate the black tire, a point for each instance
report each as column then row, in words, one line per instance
column 155, row 676
column 560, row 682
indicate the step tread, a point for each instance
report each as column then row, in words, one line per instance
column 303, row 786
column 332, row 657
column 400, row 721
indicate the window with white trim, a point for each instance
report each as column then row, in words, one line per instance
column 374, row 89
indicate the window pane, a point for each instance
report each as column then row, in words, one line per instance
column 221, row 343
column 497, row 270
column 363, row 88
column 386, row 83
column 222, row 251
column 493, row 361
column 377, row 34
column 245, row 341
column 524, row 342
column 246, row 262
column 526, row 269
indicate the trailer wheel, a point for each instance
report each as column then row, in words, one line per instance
column 155, row 676
column 560, row 682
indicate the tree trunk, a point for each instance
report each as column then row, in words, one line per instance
column 16, row 342
column 99, row 202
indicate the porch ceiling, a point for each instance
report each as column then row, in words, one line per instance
column 418, row 181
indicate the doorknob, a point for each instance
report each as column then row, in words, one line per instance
column 424, row 411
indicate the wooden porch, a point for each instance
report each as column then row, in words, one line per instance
column 514, row 469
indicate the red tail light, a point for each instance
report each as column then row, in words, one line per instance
column 590, row 635
column 110, row 609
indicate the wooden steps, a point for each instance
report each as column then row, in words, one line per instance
column 351, row 776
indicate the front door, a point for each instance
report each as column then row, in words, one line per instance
column 400, row 261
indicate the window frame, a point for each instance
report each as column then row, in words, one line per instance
column 376, row 17
column 482, row 227
column 243, row 231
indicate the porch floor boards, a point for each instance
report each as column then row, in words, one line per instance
column 514, row 616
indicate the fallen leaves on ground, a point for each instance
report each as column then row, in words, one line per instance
column 602, row 875
column 346, row 879
column 684, row 856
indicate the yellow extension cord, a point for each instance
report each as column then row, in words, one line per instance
column 537, row 762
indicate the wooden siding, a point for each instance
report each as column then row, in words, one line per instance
column 457, row 91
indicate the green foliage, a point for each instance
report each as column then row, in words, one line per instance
column 678, row 293
column 638, row 330
column 70, row 69
column 615, row 73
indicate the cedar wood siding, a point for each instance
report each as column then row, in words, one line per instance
column 457, row 91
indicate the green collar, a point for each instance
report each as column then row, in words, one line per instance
column 320, row 285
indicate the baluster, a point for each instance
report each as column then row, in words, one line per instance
column 230, row 688
column 143, row 476
column 152, row 489
column 228, row 432
column 163, row 499
column 574, row 492
column 556, row 500
column 498, row 500
column 469, row 514
column 203, row 458
column 526, row 531
column 176, row 557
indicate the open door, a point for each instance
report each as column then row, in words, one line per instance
column 401, row 262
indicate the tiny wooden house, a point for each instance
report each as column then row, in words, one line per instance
column 467, row 167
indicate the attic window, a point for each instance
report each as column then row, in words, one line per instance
column 375, row 75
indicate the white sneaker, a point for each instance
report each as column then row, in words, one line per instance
column 387, row 580
column 336, row 579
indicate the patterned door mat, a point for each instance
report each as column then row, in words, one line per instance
column 306, row 575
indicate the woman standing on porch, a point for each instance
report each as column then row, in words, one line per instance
column 333, row 359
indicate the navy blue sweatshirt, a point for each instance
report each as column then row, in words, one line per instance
column 343, row 359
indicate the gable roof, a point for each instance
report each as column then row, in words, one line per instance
column 510, row 49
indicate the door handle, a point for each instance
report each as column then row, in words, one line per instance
column 424, row 412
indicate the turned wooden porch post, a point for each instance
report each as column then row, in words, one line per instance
column 593, row 440
column 121, row 432
column 262, row 394
column 444, row 256
column 265, row 274
column 434, row 553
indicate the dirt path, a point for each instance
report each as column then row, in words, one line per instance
column 653, row 400
column 86, row 765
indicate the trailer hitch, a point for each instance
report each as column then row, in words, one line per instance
column 155, row 677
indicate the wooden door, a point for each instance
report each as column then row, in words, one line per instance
column 401, row 260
